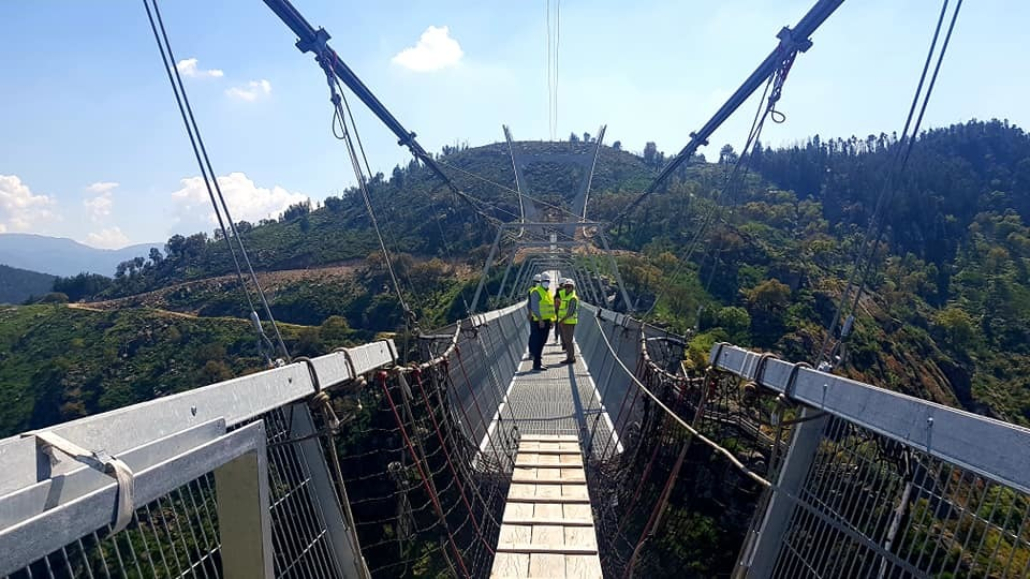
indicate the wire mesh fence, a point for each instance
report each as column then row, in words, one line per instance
column 426, row 452
column 874, row 507
column 666, row 505
column 218, row 458
column 300, row 537
column 178, row 535
column 173, row 536
column 417, row 461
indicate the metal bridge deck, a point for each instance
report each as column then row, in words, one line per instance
column 562, row 400
column 548, row 526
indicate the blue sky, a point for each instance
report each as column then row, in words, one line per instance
column 92, row 147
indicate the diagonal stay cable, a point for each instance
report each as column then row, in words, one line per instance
column 354, row 125
column 557, row 47
column 533, row 198
column 368, row 169
column 340, row 113
column 715, row 211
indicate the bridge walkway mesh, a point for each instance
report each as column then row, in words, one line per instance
column 562, row 400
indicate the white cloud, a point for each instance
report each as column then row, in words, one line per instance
column 110, row 238
column 20, row 208
column 252, row 91
column 101, row 187
column 99, row 207
column 246, row 201
column 435, row 50
column 188, row 67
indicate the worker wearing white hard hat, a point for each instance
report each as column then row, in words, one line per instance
column 557, row 304
column 529, row 309
column 567, row 315
column 541, row 318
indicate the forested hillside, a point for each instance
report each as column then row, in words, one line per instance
column 18, row 285
column 946, row 315
column 418, row 215
column 58, row 363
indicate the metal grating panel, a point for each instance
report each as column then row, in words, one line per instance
column 561, row 400
column 299, row 534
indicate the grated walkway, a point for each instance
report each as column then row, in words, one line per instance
column 548, row 526
column 562, row 400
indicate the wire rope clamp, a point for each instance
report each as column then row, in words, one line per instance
column 98, row 460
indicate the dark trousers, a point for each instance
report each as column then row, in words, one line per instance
column 537, row 339
column 567, row 333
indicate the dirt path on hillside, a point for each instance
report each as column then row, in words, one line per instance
column 90, row 307
column 270, row 282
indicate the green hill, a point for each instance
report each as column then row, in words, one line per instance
column 59, row 363
column 418, row 215
column 946, row 315
column 18, row 285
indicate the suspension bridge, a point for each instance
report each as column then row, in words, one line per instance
column 458, row 459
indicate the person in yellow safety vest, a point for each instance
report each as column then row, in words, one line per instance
column 529, row 313
column 541, row 318
column 557, row 304
column 559, row 297
column 568, row 316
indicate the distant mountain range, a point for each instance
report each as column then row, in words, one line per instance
column 62, row 256
column 18, row 285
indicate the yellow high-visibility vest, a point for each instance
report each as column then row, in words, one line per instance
column 546, row 304
column 563, row 307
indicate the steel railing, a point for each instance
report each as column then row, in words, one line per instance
column 232, row 479
column 208, row 485
column 880, row 484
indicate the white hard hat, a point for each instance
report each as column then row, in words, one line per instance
column 545, row 277
column 570, row 282
column 537, row 277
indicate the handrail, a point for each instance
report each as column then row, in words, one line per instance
column 989, row 447
column 235, row 401
column 475, row 321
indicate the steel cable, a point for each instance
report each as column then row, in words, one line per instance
column 208, row 173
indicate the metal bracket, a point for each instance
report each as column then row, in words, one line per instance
column 316, row 44
column 700, row 142
column 98, row 460
column 792, row 380
column 789, row 44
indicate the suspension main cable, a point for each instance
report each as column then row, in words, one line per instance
column 911, row 143
column 210, row 177
column 875, row 230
